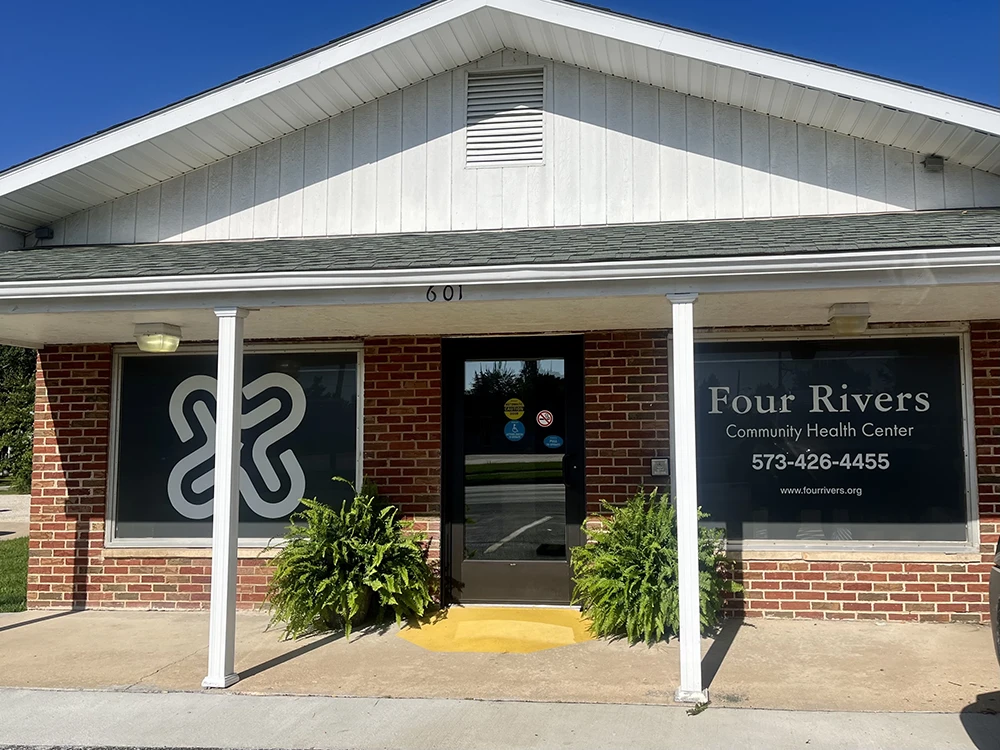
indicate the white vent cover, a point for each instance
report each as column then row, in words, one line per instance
column 504, row 117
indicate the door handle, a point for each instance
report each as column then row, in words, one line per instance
column 569, row 467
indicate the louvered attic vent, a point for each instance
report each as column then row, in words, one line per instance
column 504, row 118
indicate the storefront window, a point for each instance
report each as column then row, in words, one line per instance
column 299, row 432
column 833, row 440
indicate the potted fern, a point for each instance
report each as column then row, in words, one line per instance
column 626, row 576
column 336, row 566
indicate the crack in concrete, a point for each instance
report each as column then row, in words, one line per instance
column 165, row 666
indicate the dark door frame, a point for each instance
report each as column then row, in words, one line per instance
column 454, row 354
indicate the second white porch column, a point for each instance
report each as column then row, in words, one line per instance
column 686, row 497
column 225, row 523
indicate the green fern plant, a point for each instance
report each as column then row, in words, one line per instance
column 626, row 576
column 337, row 564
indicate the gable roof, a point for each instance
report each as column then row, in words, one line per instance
column 919, row 230
column 446, row 34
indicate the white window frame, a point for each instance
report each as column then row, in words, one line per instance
column 956, row 330
column 547, row 77
column 120, row 353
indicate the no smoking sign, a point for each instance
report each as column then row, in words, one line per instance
column 544, row 418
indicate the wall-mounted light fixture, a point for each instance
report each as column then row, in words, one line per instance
column 848, row 318
column 157, row 338
column 934, row 163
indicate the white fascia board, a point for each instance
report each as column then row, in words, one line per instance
column 616, row 278
column 232, row 95
column 759, row 62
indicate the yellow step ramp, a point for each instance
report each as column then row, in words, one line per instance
column 499, row 630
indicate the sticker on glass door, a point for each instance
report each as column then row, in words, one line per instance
column 513, row 431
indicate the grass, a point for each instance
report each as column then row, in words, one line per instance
column 4, row 490
column 14, row 575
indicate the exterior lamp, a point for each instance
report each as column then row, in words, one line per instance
column 847, row 318
column 157, row 338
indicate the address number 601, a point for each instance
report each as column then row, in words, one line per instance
column 448, row 293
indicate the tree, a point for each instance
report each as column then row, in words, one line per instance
column 17, row 410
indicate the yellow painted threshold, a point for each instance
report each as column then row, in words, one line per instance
column 499, row 630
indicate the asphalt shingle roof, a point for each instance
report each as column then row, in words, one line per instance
column 691, row 239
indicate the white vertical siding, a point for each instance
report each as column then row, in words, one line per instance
column 413, row 167
column 565, row 152
column 615, row 152
column 220, row 184
column 171, row 210
column 388, row 170
column 755, row 151
column 123, row 217
column 593, row 150
column 291, row 184
column 315, row 170
column 672, row 147
column 340, row 183
column 11, row 240
column 266, row 187
column 195, row 205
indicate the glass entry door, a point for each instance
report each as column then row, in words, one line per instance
column 514, row 467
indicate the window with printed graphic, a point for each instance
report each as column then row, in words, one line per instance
column 833, row 440
column 299, row 430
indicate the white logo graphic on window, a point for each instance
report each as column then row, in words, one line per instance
column 205, row 387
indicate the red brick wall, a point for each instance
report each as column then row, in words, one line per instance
column 68, row 565
column 627, row 424
column 627, row 419
column 72, row 387
column 402, row 430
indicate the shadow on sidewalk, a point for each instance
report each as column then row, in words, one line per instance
column 42, row 618
column 981, row 721
column 316, row 642
column 712, row 660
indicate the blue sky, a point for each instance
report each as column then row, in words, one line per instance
column 71, row 68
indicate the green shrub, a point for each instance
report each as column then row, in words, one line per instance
column 336, row 563
column 17, row 414
column 626, row 576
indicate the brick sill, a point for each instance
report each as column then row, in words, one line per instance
column 201, row 553
column 854, row 556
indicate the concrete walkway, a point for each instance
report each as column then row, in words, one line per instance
column 14, row 516
column 777, row 664
column 105, row 719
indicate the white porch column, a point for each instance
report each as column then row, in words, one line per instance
column 686, row 496
column 225, row 534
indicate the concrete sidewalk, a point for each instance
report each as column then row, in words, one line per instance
column 14, row 516
column 778, row 664
column 108, row 719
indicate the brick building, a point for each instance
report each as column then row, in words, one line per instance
column 508, row 259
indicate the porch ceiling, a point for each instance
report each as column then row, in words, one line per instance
column 909, row 304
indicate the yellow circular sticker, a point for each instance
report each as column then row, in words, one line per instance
column 514, row 408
